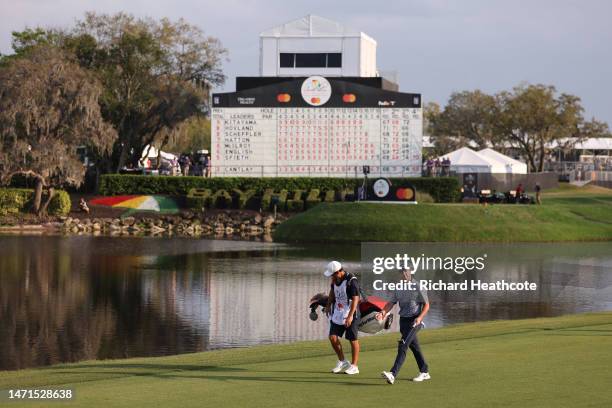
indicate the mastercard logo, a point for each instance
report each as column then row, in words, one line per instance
column 349, row 98
column 315, row 100
column 283, row 98
column 404, row 194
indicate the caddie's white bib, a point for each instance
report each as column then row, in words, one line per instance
column 342, row 306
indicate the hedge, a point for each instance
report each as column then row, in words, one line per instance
column 329, row 196
column 441, row 189
column 221, row 199
column 198, row 198
column 293, row 201
column 313, row 198
column 296, row 202
column 245, row 199
column 266, row 199
column 16, row 200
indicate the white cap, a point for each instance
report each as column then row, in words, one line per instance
column 332, row 267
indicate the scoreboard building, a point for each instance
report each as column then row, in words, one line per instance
column 318, row 108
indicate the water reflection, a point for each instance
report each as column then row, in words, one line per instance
column 571, row 277
column 67, row 299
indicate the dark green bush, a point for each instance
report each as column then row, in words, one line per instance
column 221, row 199
column 197, row 198
column 244, row 199
column 313, row 198
column 423, row 198
column 196, row 203
column 329, row 196
column 266, row 199
column 117, row 184
column 341, row 194
column 60, row 203
column 16, row 200
column 296, row 203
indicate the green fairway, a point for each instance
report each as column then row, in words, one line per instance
column 571, row 189
column 568, row 214
column 552, row 362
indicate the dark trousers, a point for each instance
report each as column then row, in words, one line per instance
column 409, row 340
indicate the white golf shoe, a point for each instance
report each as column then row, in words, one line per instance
column 388, row 376
column 341, row 366
column 422, row 377
column 352, row 370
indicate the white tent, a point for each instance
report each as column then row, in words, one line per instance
column 151, row 152
column 466, row 160
column 512, row 165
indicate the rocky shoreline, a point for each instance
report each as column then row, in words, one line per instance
column 229, row 225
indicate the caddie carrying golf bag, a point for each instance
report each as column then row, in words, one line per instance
column 369, row 306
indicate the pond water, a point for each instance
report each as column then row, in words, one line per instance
column 65, row 299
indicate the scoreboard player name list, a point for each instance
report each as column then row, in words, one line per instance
column 316, row 141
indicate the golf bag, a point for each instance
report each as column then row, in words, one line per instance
column 369, row 306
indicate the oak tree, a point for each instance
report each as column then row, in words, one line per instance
column 534, row 119
column 49, row 106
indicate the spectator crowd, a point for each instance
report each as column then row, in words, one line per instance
column 195, row 165
column 437, row 167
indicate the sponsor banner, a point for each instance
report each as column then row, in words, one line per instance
column 317, row 92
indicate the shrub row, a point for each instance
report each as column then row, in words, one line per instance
column 16, row 200
column 441, row 189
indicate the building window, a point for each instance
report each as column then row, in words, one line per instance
column 310, row 60
column 287, row 60
column 334, row 60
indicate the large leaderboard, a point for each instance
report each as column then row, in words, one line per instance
column 316, row 126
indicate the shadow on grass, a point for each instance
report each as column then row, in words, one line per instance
column 214, row 373
column 254, row 378
column 583, row 332
column 162, row 367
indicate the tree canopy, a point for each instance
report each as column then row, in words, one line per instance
column 49, row 105
column 155, row 74
column 532, row 119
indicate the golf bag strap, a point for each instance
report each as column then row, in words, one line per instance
column 362, row 295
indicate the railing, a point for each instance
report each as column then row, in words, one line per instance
column 566, row 167
column 595, row 176
column 602, row 176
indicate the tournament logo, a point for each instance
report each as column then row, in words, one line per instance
column 381, row 188
column 406, row 193
column 316, row 90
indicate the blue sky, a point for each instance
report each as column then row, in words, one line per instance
column 436, row 47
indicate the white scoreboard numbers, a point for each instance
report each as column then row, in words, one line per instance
column 327, row 134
